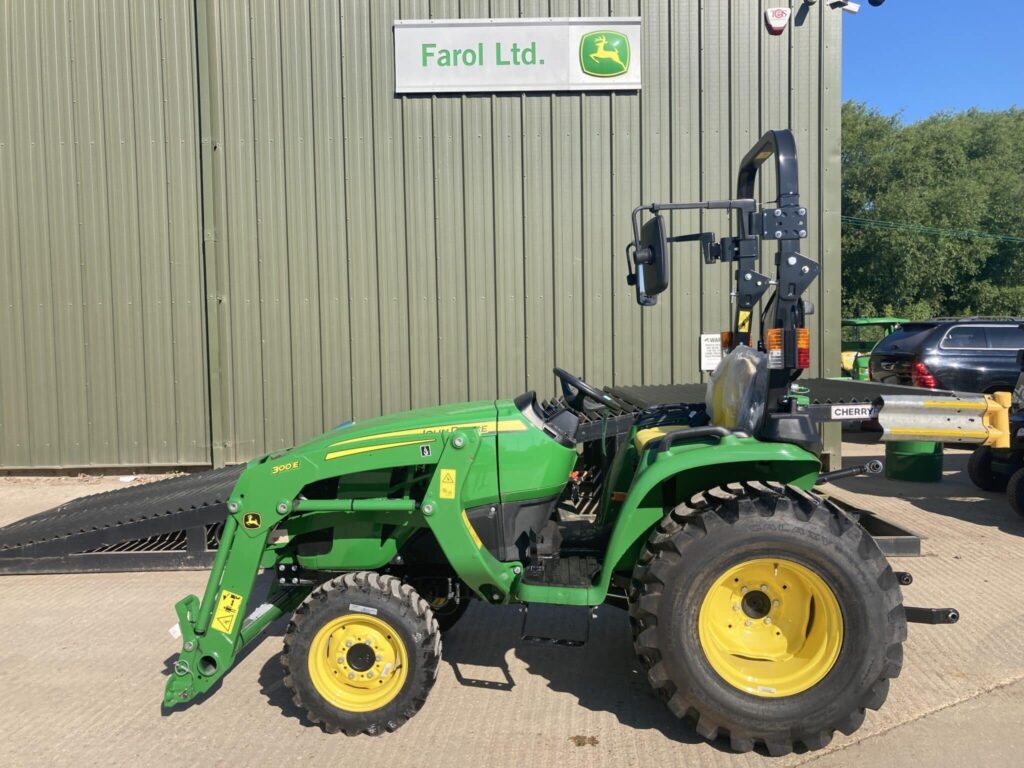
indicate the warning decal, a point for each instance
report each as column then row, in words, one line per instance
column 448, row 483
column 744, row 321
column 227, row 611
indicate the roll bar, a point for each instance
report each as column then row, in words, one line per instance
column 786, row 222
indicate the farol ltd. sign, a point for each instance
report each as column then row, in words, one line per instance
column 474, row 55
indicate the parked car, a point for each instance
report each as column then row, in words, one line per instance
column 970, row 354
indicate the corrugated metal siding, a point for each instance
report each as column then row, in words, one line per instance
column 102, row 351
column 364, row 253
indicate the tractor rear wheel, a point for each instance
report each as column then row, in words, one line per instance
column 361, row 653
column 982, row 473
column 1015, row 492
column 768, row 617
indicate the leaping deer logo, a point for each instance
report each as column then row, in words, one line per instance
column 602, row 53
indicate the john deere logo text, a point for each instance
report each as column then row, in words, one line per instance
column 604, row 54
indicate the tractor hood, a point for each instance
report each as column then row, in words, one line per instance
column 410, row 425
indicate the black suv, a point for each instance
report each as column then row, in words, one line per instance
column 971, row 354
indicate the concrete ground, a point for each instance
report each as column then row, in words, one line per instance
column 84, row 657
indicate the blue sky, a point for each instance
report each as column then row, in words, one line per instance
column 925, row 56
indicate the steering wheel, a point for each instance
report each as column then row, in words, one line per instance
column 576, row 390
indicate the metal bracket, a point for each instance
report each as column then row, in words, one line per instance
column 932, row 615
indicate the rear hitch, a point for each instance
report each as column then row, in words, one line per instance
column 873, row 467
column 932, row 615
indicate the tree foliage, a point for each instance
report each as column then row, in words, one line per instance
column 960, row 172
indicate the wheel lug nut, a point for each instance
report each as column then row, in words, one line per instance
column 736, row 606
column 370, row 673
column 775, row 603
column 743, row 590
column 748, row 622
column 378, row 657
column 764, row 587
column 351, row 675
column 767, row 619
column 348, row 643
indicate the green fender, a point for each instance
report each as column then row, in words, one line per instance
column 693, row 467
column 679, row 473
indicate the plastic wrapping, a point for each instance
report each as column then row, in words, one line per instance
column 738, row 389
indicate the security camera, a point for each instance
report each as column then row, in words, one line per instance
column 845, row 5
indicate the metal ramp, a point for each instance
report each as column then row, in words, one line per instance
column 171, row 524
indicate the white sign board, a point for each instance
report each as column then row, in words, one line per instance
column 710, row 351
column 466, row 55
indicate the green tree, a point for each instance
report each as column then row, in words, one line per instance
column 961, row 173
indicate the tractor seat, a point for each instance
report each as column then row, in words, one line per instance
column 644, row 436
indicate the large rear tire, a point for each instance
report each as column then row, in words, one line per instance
column 361, row 654
column 768, row 617
column 982, row 473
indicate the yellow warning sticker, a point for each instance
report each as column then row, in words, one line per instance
column 227, row 611
column 744, row 321
column 448, row 483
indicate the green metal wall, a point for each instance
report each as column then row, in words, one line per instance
column 363, row 252
column 102, row 349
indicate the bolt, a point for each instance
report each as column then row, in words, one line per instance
column 743, row 590
column 282, row 507
column 805, row 269
column 748, row 276
column 775, row 603
column 764, row 587
column 189, row 646
column 341, row 660
column 802, row 211
column 736, row 606
column 748, row 622
column 348, row 643
column 459, row 441
column 428, row 509
column 351, row 675
column 803, row 233
column 767, row 619
column 777, row 212
column 778, row 234
column 370, row 673
column 233, row 506
column 378, row 657
column 494, row 509
column 295, row 580
column 517, row 570
column 791, row 261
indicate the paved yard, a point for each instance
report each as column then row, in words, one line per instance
column 83, row 663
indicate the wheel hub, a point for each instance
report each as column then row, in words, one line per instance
column 771, row 627
column 358, row 662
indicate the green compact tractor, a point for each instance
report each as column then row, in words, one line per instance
column 759, row 609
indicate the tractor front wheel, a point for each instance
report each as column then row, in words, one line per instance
column 768, row 617
column 361, row 653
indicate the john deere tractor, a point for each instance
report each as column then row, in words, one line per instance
column 759, row 609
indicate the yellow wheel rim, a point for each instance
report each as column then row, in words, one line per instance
column 771, row 627
column 358, row 662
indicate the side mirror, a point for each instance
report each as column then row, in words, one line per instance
column 652, row 265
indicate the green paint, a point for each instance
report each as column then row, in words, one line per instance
column 604, row 53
